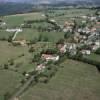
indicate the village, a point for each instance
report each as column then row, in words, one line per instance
column 79, row 40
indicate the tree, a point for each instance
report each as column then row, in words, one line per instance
column 5, row 66
column 7, row 96
column 40, row 37
column 11, row 62
column 67, row 35
column 97, row 13
column 97, row 51
column 10, row 38
column 61, row 41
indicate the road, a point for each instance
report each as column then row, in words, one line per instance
column 22, row 89
column 19, row 30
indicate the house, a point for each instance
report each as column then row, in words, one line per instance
column 83, row 21
column 93, row 18
column 84, row 31
column 68, row 24
column 14, row 30
column 72, row 48
column 27, row 75
column 52, row 20
column 49, row 57
column 93, row 29
column 3, row 24
column 96, row 45
column 40, row 67
column 62, row 48
column 67, row 29
column 84, row 17
column 86, row 52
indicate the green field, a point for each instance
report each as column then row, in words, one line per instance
column 9, row 81
column 16, row 20
column 10, row 78
column 31, row 34
column 94, row 57
column 75, row 81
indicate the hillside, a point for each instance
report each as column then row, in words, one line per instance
column 14, row 8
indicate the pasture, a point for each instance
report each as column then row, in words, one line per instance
column 74, row 81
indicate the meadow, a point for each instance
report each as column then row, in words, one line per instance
column 74, row 81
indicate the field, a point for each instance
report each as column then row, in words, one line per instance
column 10, row 78
column 16, row 20
column 75, row 81
column 9, row 81
column 69, row 14
column 30, row 34
column 94, row 57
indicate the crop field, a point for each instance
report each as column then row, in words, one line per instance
column 75, row 81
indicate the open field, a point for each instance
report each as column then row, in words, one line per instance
column 68, row 14
column 4, row 34
column 9, row 81
column 7, row 51
column 30, row 34
column 94, row 57
column 10, row 78
column 75, row 81
column 16, row 20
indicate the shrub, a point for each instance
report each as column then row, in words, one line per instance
column 97, row 51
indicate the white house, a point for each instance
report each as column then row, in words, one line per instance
column 71, row 47
column 93, row 18
column 49, row 57
column 14, row 30
column 86, row 52
column 3, row 24
column 84, row 17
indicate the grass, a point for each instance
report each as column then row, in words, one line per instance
column 31, row 34
column 75, row 81
column 94, row 57
column 9, row 81
column 70, row 13
column 4, row 34
column 7, row 51
column 16, row 20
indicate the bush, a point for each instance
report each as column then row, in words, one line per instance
column 6, row 66
column 7, row 95
column 11, row 62
column 67, row 35
column 97, row 51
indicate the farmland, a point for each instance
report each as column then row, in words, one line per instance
column 73, row 80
